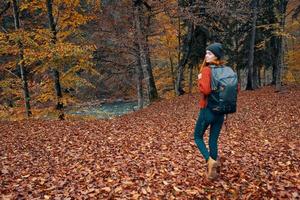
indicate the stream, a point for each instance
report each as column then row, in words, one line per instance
column 104, row 111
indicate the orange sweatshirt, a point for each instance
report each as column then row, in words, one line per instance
column 204, row 86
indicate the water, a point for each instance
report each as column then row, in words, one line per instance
column 105, row 111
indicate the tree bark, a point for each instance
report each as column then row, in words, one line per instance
column 280, row 57
column 279, row 64
column 25, row 83
column 255, row 77
column 172, row 70
column 139, row 78
column 259, row 76
column 153, row 95
column 144, row 53
column 190, row 78
column 139, row 81
column 179, row 45
column 171, row 64
column 57, row 85
column 21, row 61
column 251, row 85
column 264, row 76
column 181, row 65
column 274, row 49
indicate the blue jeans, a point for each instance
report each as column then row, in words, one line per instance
column 207, row 117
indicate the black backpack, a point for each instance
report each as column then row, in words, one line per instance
column 224, row 84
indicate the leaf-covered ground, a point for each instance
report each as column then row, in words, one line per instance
column 150, row 154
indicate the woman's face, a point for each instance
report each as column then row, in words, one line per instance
column 209, row 56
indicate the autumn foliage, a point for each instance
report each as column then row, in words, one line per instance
column 151, row 154
column 96, row 48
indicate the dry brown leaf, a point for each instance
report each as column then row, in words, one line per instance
column 152, row 151
column 106, row 189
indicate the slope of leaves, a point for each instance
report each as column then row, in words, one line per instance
column 150, row 154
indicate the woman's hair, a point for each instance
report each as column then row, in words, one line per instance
column 215, row 62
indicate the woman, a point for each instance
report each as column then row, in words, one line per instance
column 214, row 54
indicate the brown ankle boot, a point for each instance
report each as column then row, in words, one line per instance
column 212, row 168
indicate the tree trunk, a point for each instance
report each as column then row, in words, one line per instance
column 139, row 82
column 181, row 65
column 256, row 73
column 274, row 49
column 263, row 76
column 238, row 71
column 250, row 82
column 190, row 78
column 280, row 58
column 279, row 64
column 144, row 55
column 171, row 64
column 139, row 74
column 172, row 71
column 59, row 105
column 21, row 61
column 25, row 83
column 153, row 95
column 259, row 76
column 59, row 95
column 179, row 45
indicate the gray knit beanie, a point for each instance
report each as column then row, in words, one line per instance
column 216, row 49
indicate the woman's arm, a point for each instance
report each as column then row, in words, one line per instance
column 204, row 81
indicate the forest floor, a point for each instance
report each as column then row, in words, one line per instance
column 151, row 154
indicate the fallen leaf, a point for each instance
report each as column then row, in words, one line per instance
column 106, row 189
column 177, row 189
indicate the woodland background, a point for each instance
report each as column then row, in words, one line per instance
column 59, row 55
column 55, row 54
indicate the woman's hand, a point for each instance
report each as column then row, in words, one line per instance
column 200, row 76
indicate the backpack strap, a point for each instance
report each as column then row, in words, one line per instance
column 214, row 85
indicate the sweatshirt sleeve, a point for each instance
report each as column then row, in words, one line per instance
column 204, row 82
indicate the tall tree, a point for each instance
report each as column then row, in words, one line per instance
column 186, row 48
column 252, row 83
column 59, row 49
column 281, row 6
column 21, row 59
column 144, row 49
column 184, row 60
column 139, row 81
column 59, row 95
